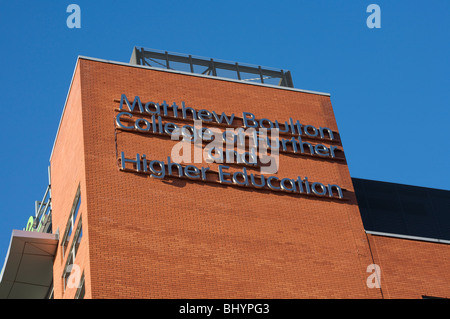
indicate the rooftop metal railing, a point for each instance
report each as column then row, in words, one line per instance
column 212, row 67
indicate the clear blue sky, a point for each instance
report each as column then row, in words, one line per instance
column 389, row 87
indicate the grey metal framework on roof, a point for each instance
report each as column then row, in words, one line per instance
column 42, row 222
column 212, row 67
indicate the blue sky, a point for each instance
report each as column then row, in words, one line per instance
column 389, row 86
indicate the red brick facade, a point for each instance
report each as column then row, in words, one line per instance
column 411, row 268
column 146, row 237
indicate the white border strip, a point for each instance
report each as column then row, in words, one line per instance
column 427, row 239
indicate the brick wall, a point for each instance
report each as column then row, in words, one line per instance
column 176, row 238
column 411, row 268
column 67, row 165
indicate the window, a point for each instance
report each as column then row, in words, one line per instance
column 67, row 271
column 71, row 222
column 81, row 290
column 72, row 254
column 77, row 238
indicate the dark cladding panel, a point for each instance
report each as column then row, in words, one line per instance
column 403, row 209
column 440, row 200
column 381, row 207
column 418, row 211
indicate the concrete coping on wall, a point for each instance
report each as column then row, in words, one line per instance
column 400, row 236
column 204, row 76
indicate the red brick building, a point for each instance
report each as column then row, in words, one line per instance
column 137, row 228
